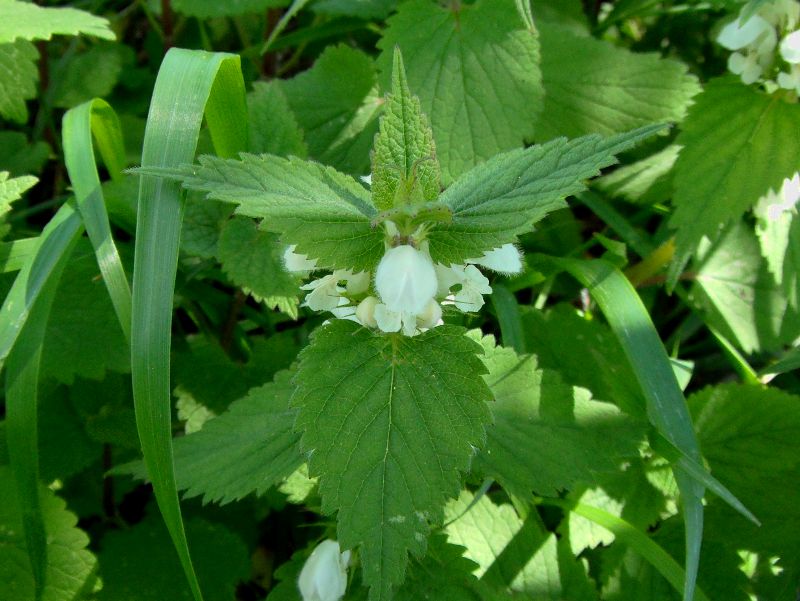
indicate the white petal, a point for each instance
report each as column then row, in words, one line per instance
column 386, row 319
column 357, row 283
column 325, row 293
column 365, row 312
column 736, row 63
column 295, row 262
column 405, row 279
column 735, row 35
column 323, row 577
column 506, row 259
column 790, row 47
column 751, row 73
column 791, row 190
column 431, row 316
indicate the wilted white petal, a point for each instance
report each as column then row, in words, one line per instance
column 405, row 279
column 365, row 312
column 790, row 47
column 324, row 575
column 735, row 35
column 295, row 262
column 325, row 292
column 506, row 259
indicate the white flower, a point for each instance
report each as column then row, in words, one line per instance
column 790, row 48
column 790, row 80
column 405, row 280
column 746, row 66
column 365, row 312
column 737, row 35
column 324, row 575
column 472, row 286
column 295, row 262
column 787, row 198
column 357, row 283
column 505, row 259
column 325, row 292
column 431, row 316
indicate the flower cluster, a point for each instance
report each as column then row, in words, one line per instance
column 754, row 39
column 408, row 290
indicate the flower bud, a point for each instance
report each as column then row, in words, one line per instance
column 324, row 575
column 405, row 280
column 365, row 312
column 431, row 316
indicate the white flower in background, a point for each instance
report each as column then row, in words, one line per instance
column 790, row 48
column 506, row 260
column 324, row 575
column 406, row 283
column 297, row 263
column 471, row 283
column 737, row 35
column 747, row 66
column 790, row 80
column 786, row 199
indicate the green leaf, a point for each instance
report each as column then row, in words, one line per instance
column 505, row 196
column 253, row 260
column 273, row 126
column 12, row 189
column 18, row 76
column 91, row 74
column 205, row 9
column 547, row 435
column 404, row 164
column 390, row 422
column 515, row 555
column 19, row 157
column 27, row 21
column 592, row 86
column 336, row 102
column 203, row 221
column 71, row 568
column 647, row 181
column 727, row 164
column 738, row 295
column 779, row 240
column 476, row 70
column 248, row 449
column 326, row 214
column 138, row 564
column 364, row 9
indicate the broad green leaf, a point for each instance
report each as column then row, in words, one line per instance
column 389, row 422
column 203, row 221
column 364, row 9
column 12, row 189
column 204, row 9
column 138, row 564
column 273, row 126
column 592, row 86
column 253, row 260
column 547, row 435
column 504, row 197
column 325, row 213
column 515, row 555
column 569, row 13
column 19, row 157
column 404, row 164
column 27, row 21
column 646, row 181
column 91, row 74
column 739, row 296
column 336, row 102
column 476, row 70
column 18, row 76
column 727, row 164
column 71, row 567
column 248, row 449
column 779, row 240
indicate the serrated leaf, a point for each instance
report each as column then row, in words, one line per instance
column 71, row 567
column 519, row 556
column 779, row 240
column 740, row 298
column 12, row 189
column 203, row 220
column 139, row 564
column 505, row 196
column 336, row 102
column 646, row 181
column 592, row 86
column 476, row 70
column 19, row 157
column 27, row 21
column 547, row 435
column 326, row 214
column 204, row 9
column 18, row 76
column 389, row 423
column 273, row 126
column 90, row 74
column 253, row 260
column 727, row 164
column 404, row 155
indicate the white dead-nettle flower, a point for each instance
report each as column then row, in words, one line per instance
column 325, row 292
column 471, row 284
column 737, row 35
column 324, row 575
column 406, row 283
column 365, row 312
column 296, row 262
column 506, row 259
column 790, row 48
column 786, row 199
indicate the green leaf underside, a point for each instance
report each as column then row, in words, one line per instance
column 389, row 423
column 248, row 449
column 273, row 126
column 325, row 213
column 27, row 21
column 594, row 87
column 727, row 164
column 404, row 150
column 18, row 76
column 547, row 435
column 70, row 567
column 204, row 9
column 515, row 555
column 336, row 102
column 505, row 196
column 476, row 71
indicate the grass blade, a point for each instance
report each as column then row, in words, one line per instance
column 507, row 310
column 189, row 84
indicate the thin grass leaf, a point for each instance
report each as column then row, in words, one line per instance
column 189, row 84
column 507, row 309
column 98, row 118
column 16, row 253
column 295, row 8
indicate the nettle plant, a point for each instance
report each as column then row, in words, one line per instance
column 392, row 405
